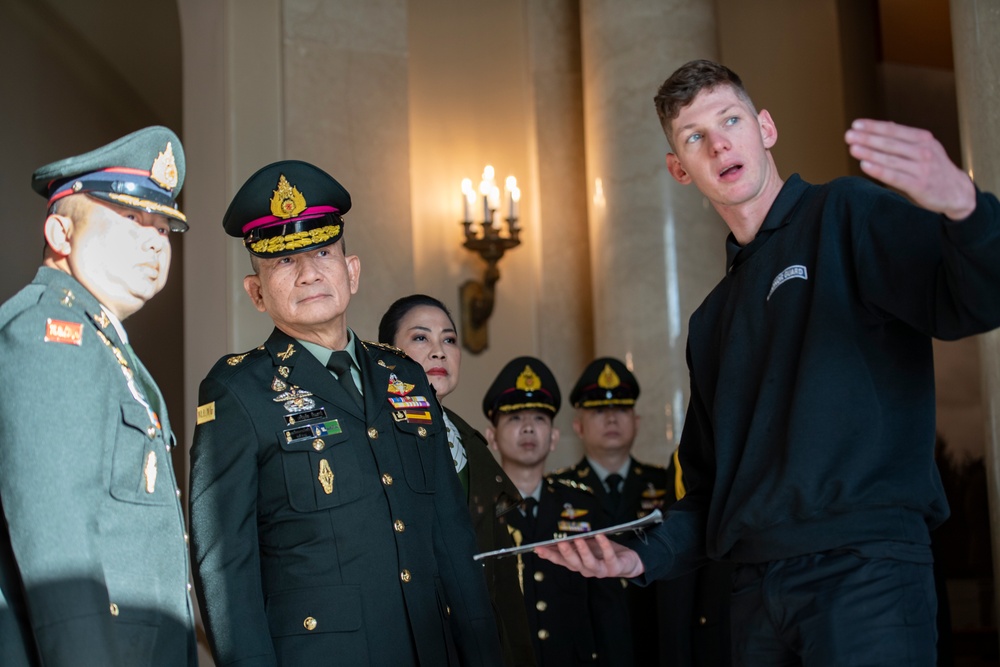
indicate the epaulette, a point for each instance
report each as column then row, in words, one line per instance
column 573, row 484
column 384, row 346
column 562, row 471
column 236, row 359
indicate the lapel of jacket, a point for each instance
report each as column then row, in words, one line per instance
column 306, row 373
column 375, row 377
column 77, row 298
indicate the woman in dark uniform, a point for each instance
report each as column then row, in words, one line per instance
column 422, row 327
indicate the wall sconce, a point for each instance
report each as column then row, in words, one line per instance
column 476, row 298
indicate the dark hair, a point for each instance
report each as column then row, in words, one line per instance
column 680, row 89
column 389, row 326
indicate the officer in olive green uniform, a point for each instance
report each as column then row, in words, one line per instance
column 604, row 396
column 573, row 620
column 93, row 554
column 328, row 526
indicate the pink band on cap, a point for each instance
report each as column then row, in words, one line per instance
column 270, row 220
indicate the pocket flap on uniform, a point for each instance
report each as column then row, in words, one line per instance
column 315, row 610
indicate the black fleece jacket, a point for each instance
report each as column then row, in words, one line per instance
column 811, row 420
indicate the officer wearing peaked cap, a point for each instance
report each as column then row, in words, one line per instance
column 93, row 553
column 328, row 526
column 573, row 620
column 606, row 423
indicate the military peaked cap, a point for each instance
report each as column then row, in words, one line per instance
column 605, row 382
column 523, row 384
column 288, row 207
column 143, row 170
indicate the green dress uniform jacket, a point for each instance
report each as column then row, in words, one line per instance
column 492, row 496
column 647, row 487
column 574, row 620
column 327, row 536
column 93, row 559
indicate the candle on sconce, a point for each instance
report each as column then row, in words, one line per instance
column 494, row 203
column 510, row 185
column 515, row 197
column 468, row 197
column 486, row 187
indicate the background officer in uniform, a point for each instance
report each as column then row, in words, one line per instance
column 604, row 397
column 93, row 560
column 573, row 620
column 328, row 526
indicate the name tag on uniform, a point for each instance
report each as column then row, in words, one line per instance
column 331, row 427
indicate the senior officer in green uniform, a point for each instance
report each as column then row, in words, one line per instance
column 606, row 423
column 573, row 620
column 328, row 526
column 93, row 559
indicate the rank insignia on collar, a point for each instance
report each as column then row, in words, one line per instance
column 570, row 512
column 101, row 319
column 582, row 472
column 283, row 371
column 287, row 353
column 398, row 387
column 67, row 300
column 60, row 331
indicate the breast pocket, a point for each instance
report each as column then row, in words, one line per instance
column 419, row 448
column 138, row 460
column 321, row 469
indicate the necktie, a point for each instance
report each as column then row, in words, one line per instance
column 613, row 482
column 340, row 363
column 530, row 506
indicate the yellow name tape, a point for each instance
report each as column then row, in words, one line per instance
column 206, row 413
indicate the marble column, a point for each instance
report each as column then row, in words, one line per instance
column 656, row 247
column 975, row 26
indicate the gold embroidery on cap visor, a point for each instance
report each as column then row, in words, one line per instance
column 514, row 407
column 152, row 206
column 628, row 402
column 295, row 241
column 164, row 169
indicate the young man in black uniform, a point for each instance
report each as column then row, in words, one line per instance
column 808, row 444
column 573, row 620
column 327, row 523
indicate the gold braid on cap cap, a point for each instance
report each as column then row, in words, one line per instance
column 296, row 240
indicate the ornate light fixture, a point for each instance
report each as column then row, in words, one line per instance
column 477, row 298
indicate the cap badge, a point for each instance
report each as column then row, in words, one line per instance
column 608, row 379
column 164, row 169
column 287, row 201
column 528, row 380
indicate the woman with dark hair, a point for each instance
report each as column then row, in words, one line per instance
column 422, row 327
